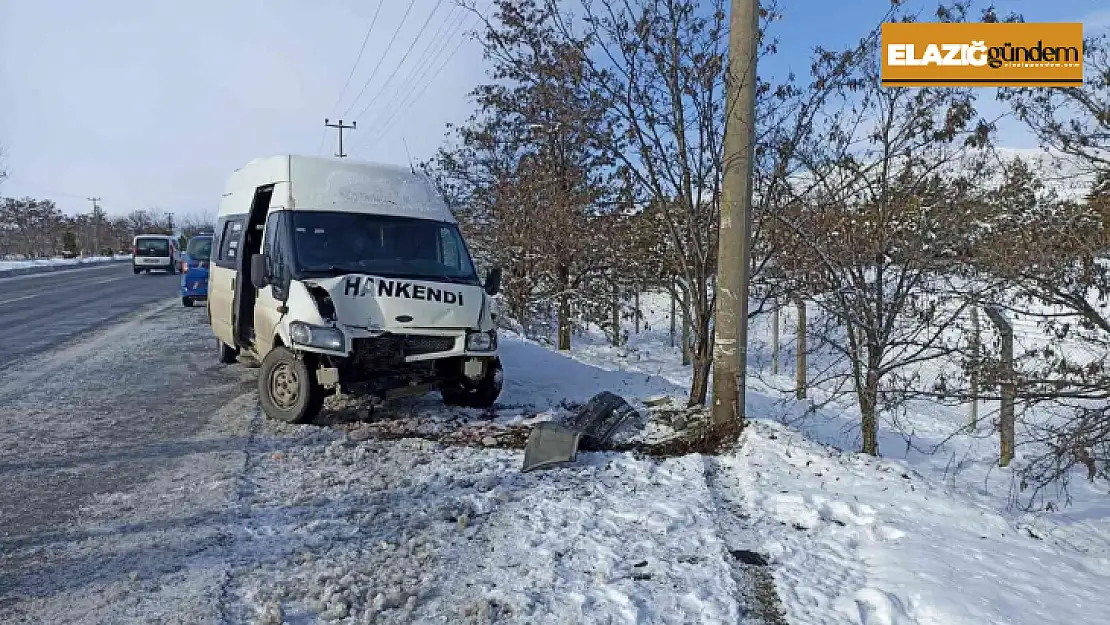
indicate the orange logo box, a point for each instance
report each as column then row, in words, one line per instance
column 982, row 55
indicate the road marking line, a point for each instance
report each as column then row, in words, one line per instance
column 45, row 291
column 59, row 272
column 19, row 299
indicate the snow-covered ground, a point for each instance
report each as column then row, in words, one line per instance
column 357, row 529
column 8, row 265
column 925, row 535
column 421, row 514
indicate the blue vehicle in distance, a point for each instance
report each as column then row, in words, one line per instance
column 194, row 269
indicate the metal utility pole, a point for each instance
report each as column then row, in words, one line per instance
column 730, row 351
column 341, row 126
column 96, row 216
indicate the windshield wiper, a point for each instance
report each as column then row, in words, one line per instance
column 333, row 269
column 452, row 279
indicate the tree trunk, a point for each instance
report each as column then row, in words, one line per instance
column 616, row 315
column 673, row 298
column 564, row 309
column 685, row 328
column 636, row 308
column 703, row 361
column 868, row 403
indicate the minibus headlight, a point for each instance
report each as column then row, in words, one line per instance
column 481, row 341
column 316, row 336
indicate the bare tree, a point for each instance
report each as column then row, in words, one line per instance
column 875, row 228
column 1050, row 253
column 534, row 164
column 1074, row 120
column 1053, row 255
column 32, row 228
column 661, row 65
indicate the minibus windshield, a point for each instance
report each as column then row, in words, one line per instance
column 333, row 243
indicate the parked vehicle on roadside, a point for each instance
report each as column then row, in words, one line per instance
column 194, row 269
column 349, row 277
column 154, row 251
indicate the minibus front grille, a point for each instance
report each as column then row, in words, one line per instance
column 391, row 348
column 416, row 345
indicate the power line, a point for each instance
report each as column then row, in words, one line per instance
column 441, row 37
column 385, row 127
column 362, row 48
column 447, row 60
column 384, row 54
column 419, row 75
column 404, row 57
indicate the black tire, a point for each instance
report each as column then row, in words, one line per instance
column 226, row 353
column 482, row 395
column 187, row 302
column 287, row 388
column 136, row 270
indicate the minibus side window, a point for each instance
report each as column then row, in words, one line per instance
column 274, row 249
column 229, row 243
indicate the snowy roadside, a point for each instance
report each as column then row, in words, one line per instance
column 414, row 531
column 21, row 267
column 342, row 526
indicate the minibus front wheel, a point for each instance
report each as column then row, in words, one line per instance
column 287, row 388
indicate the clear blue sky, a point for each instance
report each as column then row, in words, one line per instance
column 152, row 103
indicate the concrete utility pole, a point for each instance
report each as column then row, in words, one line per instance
column 976, row 357
column 775, row 338
column 96, row 217
column 800, row 366
column 1008, row 383
column 730, row 351
column 341, row 126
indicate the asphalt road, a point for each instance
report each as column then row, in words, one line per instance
column 41, row 311
column 128, row 406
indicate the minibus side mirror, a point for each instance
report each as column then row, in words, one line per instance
column 258, row 271
column 493, row 281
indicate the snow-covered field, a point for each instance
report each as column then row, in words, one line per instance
column 925, row 535
column 9, row 265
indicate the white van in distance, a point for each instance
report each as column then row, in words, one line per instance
column 153, row 251
column 349, row 277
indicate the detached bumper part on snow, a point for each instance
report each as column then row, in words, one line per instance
column 549, row 444
column 592, row 428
